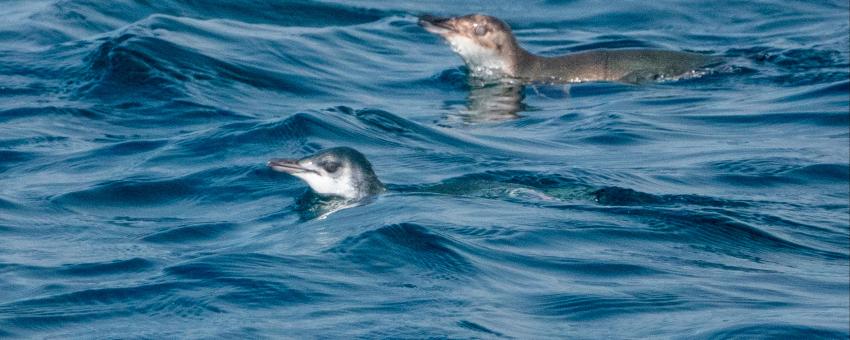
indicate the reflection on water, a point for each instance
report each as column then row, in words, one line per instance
column 494, row 102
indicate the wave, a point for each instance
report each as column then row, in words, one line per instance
column 761, row 172
column 774, row 330
column 408, row 247
column 61, row 310
column 144, row 62
column 66, row 20
column 191, row 233
column 256, row 281
column 135, row 200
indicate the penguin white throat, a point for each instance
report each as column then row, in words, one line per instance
column 483, row 62
column 342, row 185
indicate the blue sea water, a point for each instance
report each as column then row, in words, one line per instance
column 135, row 201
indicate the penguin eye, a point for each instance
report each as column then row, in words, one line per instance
column 330, row 167
column 480, row 30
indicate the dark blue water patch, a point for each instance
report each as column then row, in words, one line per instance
column 817, row 118
column 406, row 245
column 626, row 17
column 613, row 129
column 139, row 62
column 808, row 78
column 22, row 87
column 89, row 305
column 772, row 172
column 253, row 280
column 290, row 135
column 754, row 53
column 705, row 265
column 478, row 328
column 9, row 159
column 219, row 185
column 195, row 112
column 755, row 181
column 6, row 229
column 293, row 13
column 676, row 101
column 713, row 231
column 585, row 307
column 825, row 173
column 243, row 136
column 513, row 185
column 132, row 147
column 453, row 78
column 377, row 127
column 811, row 78
column 133, row 265
column 841, row 88
column 93, row 159
column 131, row 193
column 29, row 112
column 256, row 294
column 115, row 68
column 614, row 138
column 33, row 141
column 579, row 269
column 775, row 331
column 802, row 232
column 802, row 66
column 390, row 123
column 757, row 166
column 382, row 120
column 240, row 183
column 797, row 60
column 191, row 233
column 709, row 230
column 95, row 17
column 177, row 112
column 533, row 179
column 617, row 196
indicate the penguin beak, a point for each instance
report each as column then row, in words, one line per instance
column 289, row 166
column 436, row 25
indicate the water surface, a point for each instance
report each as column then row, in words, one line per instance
column 135, row 201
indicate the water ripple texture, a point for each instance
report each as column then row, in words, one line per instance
column 135, row 201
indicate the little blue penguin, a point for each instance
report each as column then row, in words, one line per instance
column 488, row 47
column 338, row 172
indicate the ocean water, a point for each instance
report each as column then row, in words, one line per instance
column 135, row 201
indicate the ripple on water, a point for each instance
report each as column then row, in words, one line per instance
column 135, row 200
column 404, row 247
column 131, row 193
column 775, row 331
column 89, row 305
column 133, row 265
column 255, row 281
column 191, row 233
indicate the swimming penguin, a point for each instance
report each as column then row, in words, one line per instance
column 490, row 50
column 342, row 178
column 338, row 172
